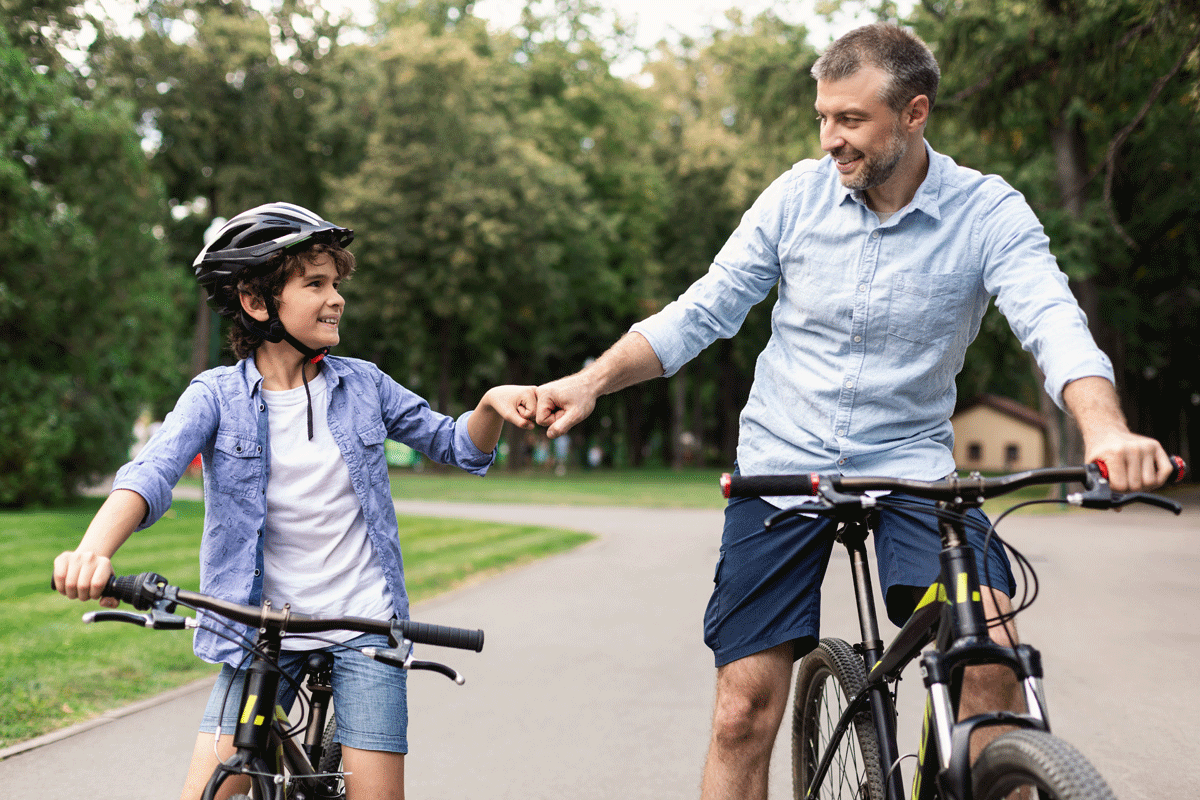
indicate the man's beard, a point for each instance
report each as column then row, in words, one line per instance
column 876, row 170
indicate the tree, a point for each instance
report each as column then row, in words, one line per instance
column 86, row 302
column 1092, row 106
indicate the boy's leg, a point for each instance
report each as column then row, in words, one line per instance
column 204, row 762
column 373, row 774
column 752, row 695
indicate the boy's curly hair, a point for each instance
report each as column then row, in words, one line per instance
column 270, row 283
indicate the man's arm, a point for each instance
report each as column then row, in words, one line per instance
column 564, row 403
column 1135, row 463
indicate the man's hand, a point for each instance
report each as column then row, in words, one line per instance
column 1135, row 463
column 564, row 403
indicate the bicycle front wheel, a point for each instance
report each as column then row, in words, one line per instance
column 1040, row 760
column 826, row 680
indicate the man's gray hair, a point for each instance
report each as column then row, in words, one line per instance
column 899, row 53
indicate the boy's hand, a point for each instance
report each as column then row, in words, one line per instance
column 514, row 404
column 501, row 404
column 83, row 576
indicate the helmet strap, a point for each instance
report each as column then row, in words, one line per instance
column 273, row 331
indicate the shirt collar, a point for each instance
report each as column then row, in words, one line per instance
column 331, row 368
column 926, row 198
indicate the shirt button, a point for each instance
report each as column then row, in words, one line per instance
column 862, row 287
column 260, row 448
column 875, row 235
column 840, row 461
column 841, row 432
column 858, row 338
column 262, row 406
column 849, row 384
column 257, row 573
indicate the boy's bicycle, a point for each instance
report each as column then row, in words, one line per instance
column 265, row 742
column 844, row 712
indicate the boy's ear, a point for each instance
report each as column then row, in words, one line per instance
column 253, row 305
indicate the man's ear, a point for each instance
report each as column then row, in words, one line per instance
column 916, row 113
column 254, row 306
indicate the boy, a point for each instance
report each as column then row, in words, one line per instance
column 298, row 508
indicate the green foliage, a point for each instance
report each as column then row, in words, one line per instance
column 86, row 305
column 1090, row 109
column 517, row 206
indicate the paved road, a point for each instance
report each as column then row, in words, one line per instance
column 594, row 682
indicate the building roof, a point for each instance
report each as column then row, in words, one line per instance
column 1005, row 406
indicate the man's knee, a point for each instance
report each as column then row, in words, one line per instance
column 751, row 696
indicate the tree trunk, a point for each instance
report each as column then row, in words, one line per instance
column 202, row 335
column 674, row 447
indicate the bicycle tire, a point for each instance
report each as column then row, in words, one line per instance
column 826, row 680
column 331, row 761
column 1038, row 759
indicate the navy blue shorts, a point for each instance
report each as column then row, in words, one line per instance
column 767, row 587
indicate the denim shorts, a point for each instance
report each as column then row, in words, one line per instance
column 767, row 586
column 369, row 698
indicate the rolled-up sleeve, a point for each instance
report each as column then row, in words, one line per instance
column 446, row 440
column 1032, row 293
column 161, row 463
column 716, row 305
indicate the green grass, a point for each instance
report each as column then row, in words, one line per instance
column 56, row 670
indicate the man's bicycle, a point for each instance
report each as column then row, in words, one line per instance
column 266, row 750
column 844, row 712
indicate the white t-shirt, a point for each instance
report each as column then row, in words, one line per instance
column 317, row 555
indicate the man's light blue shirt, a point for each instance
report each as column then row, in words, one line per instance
column 873, row 319
column 222, row 416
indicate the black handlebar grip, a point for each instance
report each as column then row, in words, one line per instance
column 128, row 588
column 768, row 485
column 441, row 635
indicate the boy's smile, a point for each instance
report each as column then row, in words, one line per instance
column 310, row 306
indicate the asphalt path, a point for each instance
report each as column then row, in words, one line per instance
column 594, row 682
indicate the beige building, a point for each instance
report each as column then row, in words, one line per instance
column 995, row 434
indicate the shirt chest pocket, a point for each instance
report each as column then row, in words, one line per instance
column 237, row 465
column 373, row 438
column 924, row 308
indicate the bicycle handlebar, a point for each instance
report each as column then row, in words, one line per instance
column 954, row 488
column 150, row 589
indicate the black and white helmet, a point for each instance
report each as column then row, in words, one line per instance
column 251, row 239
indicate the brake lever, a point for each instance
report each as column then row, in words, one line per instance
column 402, row 657
column 155, row 619
column 1126, row 498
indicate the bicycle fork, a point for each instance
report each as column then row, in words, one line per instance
column 963, row 640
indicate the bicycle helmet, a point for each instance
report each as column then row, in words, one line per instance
column 250, row 240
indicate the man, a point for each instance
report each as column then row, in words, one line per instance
column 886, row 255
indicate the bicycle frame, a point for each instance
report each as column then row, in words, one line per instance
column 261, row 749
column 951, row 612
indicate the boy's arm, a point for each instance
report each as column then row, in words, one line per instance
column 82, row 573
column 515, row 404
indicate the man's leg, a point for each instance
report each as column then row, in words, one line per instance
column 752, row 695
column 991, row 687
